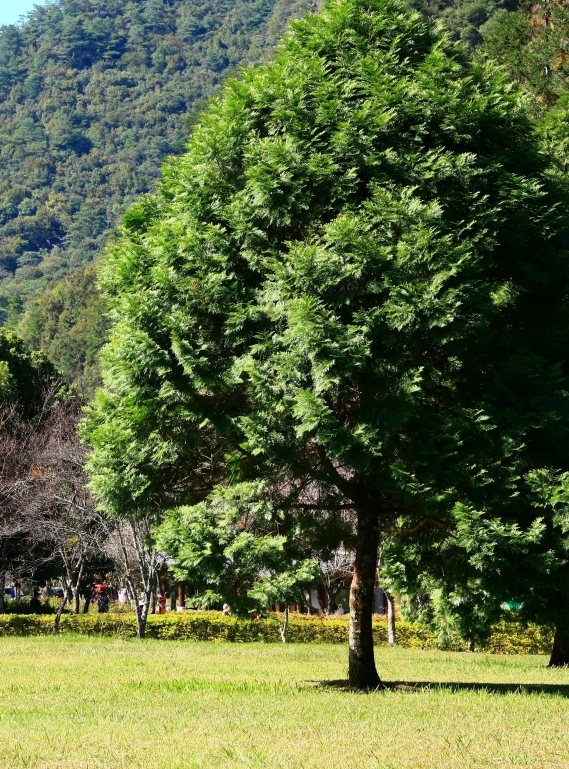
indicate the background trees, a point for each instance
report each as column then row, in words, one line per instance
column 48, row 518
column 27, row 386
column 348, row 295
column 57, row 504
column 93, row 96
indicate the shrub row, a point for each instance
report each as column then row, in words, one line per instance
column 506, row 638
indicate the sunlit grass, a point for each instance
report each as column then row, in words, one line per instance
column 88, row 702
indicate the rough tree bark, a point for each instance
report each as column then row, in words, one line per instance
column 390, row 619
column 362, row 670
column 560, row 652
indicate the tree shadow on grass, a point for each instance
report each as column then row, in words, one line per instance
column 452, row 686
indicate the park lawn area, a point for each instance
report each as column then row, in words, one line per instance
column 76, row 701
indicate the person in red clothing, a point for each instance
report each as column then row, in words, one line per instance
column 162, row 603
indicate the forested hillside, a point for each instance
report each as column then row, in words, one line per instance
column 93, row 95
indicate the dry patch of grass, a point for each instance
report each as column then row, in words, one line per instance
column 88, row 703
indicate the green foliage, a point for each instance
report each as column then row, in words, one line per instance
column 532, row 45
column 24, row 374
column 467, row 20
column 69, row 324
column 20, row 606
column 223, row 545
column 286, row 583
column 93, row 95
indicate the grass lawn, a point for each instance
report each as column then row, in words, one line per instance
column 89, row 703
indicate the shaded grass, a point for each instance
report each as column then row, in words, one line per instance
column 90, row 703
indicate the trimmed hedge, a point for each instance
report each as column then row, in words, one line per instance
column 506, row 638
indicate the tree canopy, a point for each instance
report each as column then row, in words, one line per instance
column 24, row 374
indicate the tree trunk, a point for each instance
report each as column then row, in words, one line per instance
column 3, row 577
column 332, row 605
column 76, row 599
column 284, row 627
column 390, row 619
column 2, row 593
column 88, row 594
column 59, row 612
column 560, row 652
column 142, row 615
column 362, row 671
column 173, row 596
column 75, row 587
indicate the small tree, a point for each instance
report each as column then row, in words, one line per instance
column 240, row 551
column 132, row 548
column 57, row 501
column 285, row 587
column 28, row 386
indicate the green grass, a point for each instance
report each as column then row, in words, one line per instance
column 90, row 703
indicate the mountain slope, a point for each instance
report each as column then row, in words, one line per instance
column 93, row 95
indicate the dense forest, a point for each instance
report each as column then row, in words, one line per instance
column 94, row 94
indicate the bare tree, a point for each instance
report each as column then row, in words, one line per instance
column 20, row 554
column 46, row 511
column 131, row 548
column 337, row 574
column 58, row 500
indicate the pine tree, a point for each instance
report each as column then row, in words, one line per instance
column 350, row 293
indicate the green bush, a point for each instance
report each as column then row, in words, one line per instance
column 506, row 638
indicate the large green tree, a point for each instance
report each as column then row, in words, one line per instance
column 351, row 289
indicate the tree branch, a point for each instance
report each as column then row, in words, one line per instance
column 418, row 527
